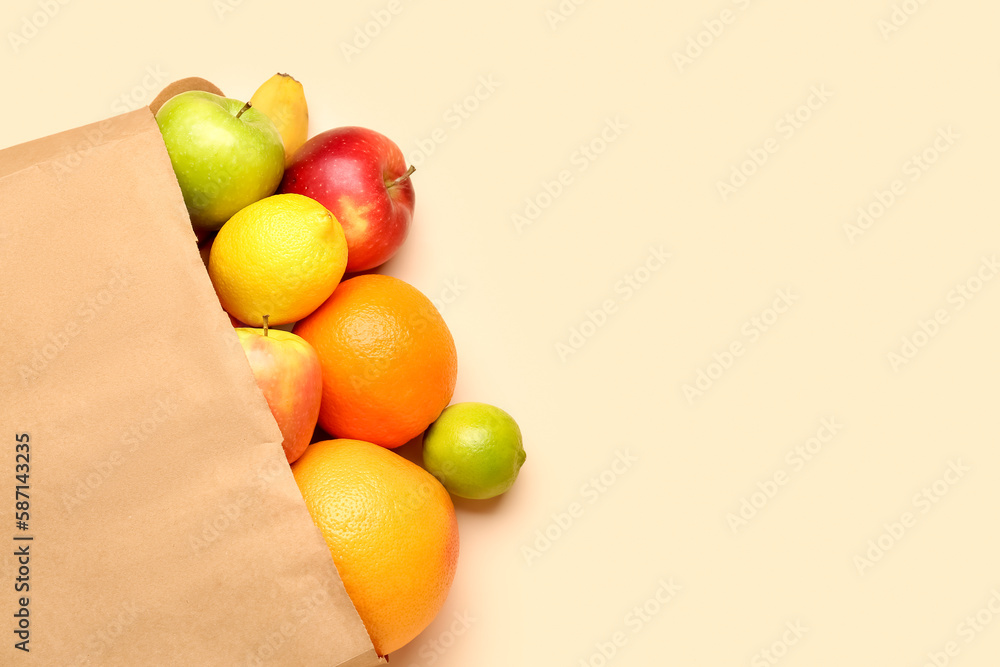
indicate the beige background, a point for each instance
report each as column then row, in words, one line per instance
column 522, row 292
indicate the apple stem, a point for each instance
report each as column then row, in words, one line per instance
column 265, row 325
column 245, row 107
column 402, row 178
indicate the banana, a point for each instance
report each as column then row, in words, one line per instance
column 283, row 100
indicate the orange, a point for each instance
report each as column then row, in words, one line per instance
column 388, row 359
column 391, row 530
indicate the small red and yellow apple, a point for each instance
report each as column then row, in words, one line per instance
column 287, row 371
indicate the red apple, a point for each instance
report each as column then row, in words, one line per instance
column 287, row 371
column 361, row 177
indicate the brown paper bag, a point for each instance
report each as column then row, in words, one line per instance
column 148, row 514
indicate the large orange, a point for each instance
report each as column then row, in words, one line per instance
column 391, row 529
column 389, row 362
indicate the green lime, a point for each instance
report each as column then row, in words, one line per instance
column 474, row 449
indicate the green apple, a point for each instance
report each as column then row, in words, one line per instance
column 226, row 154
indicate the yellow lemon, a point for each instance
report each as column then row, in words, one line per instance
column 281, row 257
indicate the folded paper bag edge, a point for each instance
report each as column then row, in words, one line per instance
column 182, row 86
column 66, row 146
column 369, row 659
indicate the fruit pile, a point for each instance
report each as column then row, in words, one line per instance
column 281, row 219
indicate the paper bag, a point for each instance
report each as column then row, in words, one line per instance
column 147, row 515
